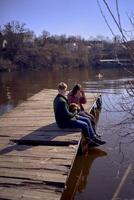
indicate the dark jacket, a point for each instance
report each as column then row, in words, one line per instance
column 61, row 110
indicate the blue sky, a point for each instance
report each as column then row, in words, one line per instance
column 70, row 17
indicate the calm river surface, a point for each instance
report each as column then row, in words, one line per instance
column 108, row 171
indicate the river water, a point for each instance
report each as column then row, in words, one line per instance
column 106, row 172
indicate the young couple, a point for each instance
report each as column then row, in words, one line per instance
column 66, row 119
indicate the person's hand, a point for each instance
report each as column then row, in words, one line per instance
column 82, row 92
column 78, row 94
column 76, row 116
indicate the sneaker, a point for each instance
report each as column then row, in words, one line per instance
column 100, row 142
column 91, row 142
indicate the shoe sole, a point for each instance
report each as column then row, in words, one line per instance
column 93, row 144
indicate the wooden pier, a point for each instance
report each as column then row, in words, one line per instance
column 36, row 156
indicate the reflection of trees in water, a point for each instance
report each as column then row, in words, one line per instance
column 117, row 123
column 78, row 177
column 120, row 116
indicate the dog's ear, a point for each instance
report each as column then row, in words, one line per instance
column 73, row 107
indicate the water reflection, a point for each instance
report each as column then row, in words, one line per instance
column 78, row 178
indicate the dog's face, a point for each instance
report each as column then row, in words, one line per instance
column 73, row 107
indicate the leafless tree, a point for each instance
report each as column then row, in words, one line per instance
column 127, row 36
column 125, row 127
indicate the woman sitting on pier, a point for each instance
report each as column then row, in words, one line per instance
column 67, row 119
column 77, row 96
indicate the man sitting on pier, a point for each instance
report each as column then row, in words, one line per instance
column 67, row 119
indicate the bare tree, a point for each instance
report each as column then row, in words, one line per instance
column 125, row 35
column 125, row 127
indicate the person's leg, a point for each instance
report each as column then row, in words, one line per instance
column 92, row 133
column 88, row 121
column 84, row 114
column 75, row 123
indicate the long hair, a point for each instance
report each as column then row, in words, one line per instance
column 75, row 89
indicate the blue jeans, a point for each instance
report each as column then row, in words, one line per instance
column 83, row 123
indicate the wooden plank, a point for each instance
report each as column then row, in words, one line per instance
column 18, row 193
column 27, row 161
column 34, row 165
column 51, row 139
column 20, row 184
column 39, row 151
column 49, row 175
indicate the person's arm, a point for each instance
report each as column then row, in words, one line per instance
column 83, row 99
column 65, row 110
column 72, row 99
